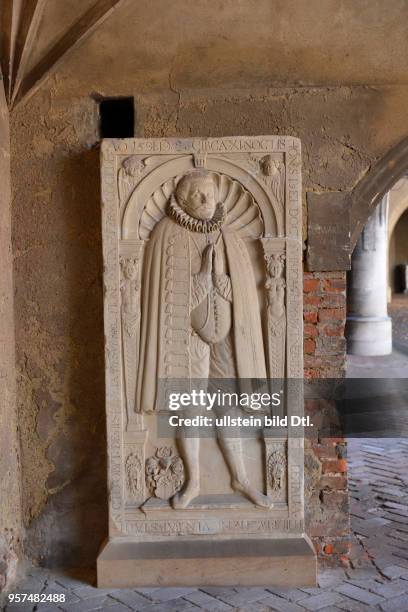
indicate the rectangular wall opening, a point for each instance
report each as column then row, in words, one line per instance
column 117, row 118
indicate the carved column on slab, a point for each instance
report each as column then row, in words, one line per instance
column 134, row 468
column 274, row 254
column 130, row 280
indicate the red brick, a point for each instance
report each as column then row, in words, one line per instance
column 339, row 483
column 310, row 331
column 331, row 330
column 332, row 314
column 335, row 499
column 333, row 300
column 311, row 373
column 333, row 285
column 330, row 467
column 311, row 284
column 331, row 345
column 309, row 345
column 310, row 317
column 312, row 300
column 319, row 361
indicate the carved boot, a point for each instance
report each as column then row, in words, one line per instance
column 232, row 450
column 189, row 448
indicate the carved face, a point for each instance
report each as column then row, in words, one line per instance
column 196, row 195
column 269, row 165
column 129, row 269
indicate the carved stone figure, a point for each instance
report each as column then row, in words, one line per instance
column 129, row 288
column 274, row 172
column 131, row 169
column 203, row 278
column 275, row 285
column 134, row 475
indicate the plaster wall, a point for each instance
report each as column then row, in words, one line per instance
column 10, row 506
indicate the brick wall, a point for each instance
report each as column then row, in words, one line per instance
column 326, row 491
column 324, row 320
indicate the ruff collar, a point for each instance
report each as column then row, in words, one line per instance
column 203, row 226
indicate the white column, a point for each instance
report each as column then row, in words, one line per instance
column 368, row 327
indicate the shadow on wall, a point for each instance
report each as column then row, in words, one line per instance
column 73, row 522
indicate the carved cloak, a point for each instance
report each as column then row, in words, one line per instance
column 165, row 311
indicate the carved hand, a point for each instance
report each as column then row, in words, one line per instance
column 218, row 263
column 206, row 262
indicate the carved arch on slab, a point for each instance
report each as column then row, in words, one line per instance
column 165, row 176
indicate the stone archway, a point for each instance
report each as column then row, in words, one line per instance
column 368, row 193
column 372, row 220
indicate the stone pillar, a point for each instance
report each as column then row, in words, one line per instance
column 368, row 327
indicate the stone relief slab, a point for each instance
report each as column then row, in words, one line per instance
column 202, row 254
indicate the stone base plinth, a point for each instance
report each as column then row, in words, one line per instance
column 288, row 562
column 369, row 336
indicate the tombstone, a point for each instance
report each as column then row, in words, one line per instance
column 202, row 247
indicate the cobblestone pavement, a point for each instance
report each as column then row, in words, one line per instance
column 376, row 580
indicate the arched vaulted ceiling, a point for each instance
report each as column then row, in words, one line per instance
column 36, row 35
column 148, row 45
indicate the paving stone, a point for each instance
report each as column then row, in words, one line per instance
column 291, row 594
column 169, row 593
column 350, row 605
column 394, row 571
column 147, row 591
column 359, row 594
column 85, row 591
column 52, row 588
column 366, row 573
column 86, row 605
column 317, row 602
column 390, row 589
column 72, row 579
column 19, row 607
column 280, row 604
column 116, row 607
column 219, row 591
column 31, row 584
column 244, row 596
column 130, row 598
column 397, row 604
column 255, row 607
column 331, row 577
column 174, row 605
column 207, row 602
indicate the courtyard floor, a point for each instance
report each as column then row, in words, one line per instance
column 378, row 575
